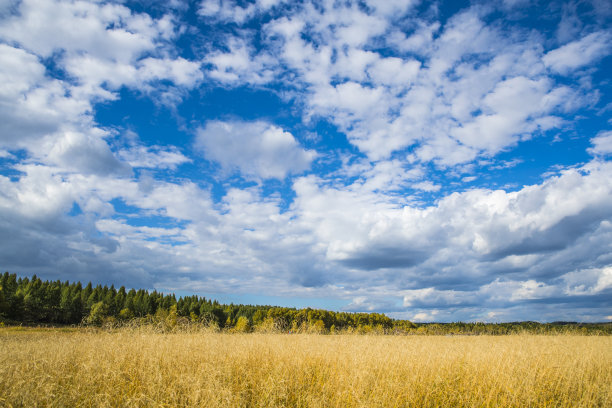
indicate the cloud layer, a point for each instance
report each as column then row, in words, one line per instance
column 397, row 156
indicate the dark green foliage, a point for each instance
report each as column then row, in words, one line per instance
column 34, row 301
column 98, row 312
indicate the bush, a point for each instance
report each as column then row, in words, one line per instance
column 97, row 314
column 242, row 325
column 317, row 327
column 126, row 314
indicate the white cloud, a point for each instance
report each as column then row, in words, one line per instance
column 80, row 26
column 532, row 290
column 153, row 157
column 588, row 281
column 226, row 10
column 384, row 176
column 209, row 8
column 431, row 296
column 73, row 151
column 419, row 41
column 466, row 237
column 426, row 186
column 349, row 98
column 505, row 293
column 100, row 46
column 32, row 105
column 20, row 71
column 123, row 231
column 465, row 90
column 96, row 75
column 425, row 316
column 579, row 53
column 94, row 72
column 446, row 257
column 393, row 8
column 180, row 71
column 394, row 71
column 507, row 110
column 256, row 149
column 602, row 144
column 238, row 66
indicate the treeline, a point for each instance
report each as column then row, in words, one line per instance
column 24, row 300
column 34, row 301
column 477, row 328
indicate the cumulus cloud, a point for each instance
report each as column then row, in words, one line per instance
column 588, row 282
column 579, row 53
column 468, row 238
column 20, row 70
column 238, row 65
column 507, row 112
column 570, row 287
column 82, row 153
column 425, row 316
column 66, row 173
column 32, row 105
column 465, row 96
column 93, row 72
column 153, row 157
column 228, row 11
column 79, row 26
column 101, row 48
column 602, row 144
column 256, row 149
column 484, row 96
column 99, row 45
column 446, row 257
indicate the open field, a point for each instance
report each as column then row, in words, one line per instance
column 51, row 367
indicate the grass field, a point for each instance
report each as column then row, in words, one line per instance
column 74, row 368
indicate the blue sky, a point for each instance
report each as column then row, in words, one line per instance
column 435, row 161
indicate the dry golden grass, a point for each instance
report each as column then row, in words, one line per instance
column 142, row 368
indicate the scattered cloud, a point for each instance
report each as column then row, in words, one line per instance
column 153, row 157
column 602, row 144
column 256, row 149
column 425, row 316
column 579, row 53
column 353, row 182
column 238, row 65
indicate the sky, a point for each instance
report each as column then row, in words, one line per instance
column 433, row 161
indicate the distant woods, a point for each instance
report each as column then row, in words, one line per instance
column 24, row 300
column 34, row 301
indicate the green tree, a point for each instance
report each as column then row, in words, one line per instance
column 97, row 314
column 4, row 305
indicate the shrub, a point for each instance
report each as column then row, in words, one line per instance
column 97, row 314
column 242, row 325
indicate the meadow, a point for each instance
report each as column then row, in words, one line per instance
column 143, row 368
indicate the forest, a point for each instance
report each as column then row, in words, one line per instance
column 33, row 301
